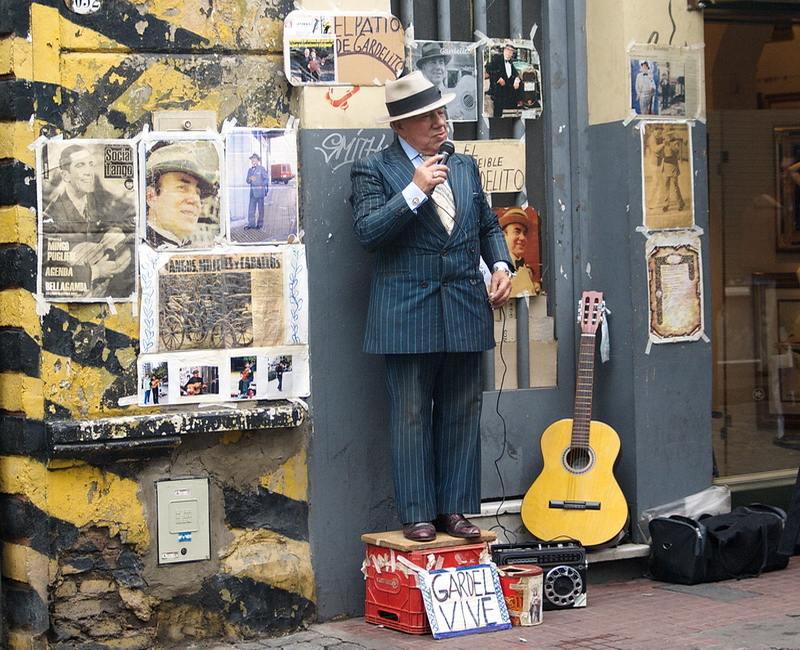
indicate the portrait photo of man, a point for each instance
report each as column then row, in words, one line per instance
column 181, row 194
column 88, row 220
column 521, row 229
column 451, row 67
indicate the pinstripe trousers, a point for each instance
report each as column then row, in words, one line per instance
column 435, row 401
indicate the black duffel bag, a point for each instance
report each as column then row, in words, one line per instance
column 744, row 542
column 679, row 551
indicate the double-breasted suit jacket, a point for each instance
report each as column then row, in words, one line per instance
column 428, row 293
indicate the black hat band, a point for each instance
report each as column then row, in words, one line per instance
column 413, row 102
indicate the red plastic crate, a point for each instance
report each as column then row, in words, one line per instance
column 393, row 598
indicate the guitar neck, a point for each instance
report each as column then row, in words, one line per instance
column 582, row 417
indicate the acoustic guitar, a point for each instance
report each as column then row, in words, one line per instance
column 576, row 495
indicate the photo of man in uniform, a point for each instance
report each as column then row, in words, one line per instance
column 181, row 176
column 258, row 180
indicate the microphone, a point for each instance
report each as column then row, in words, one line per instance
column 445, row 151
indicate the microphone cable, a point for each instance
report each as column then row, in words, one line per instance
column 499, row 525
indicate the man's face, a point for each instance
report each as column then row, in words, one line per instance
column 516, row 238
column 80, row 173
column 254, row 161
column 424, row 132
column 508, row 53
column 645, row 67
column 176, row 207
column 434, row 70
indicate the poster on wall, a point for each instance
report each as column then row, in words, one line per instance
column 665, row 80
column 87, row 210
column 667, row 176
column 238, row 298
column 342, row 48
column 675, row 287
column 261, row 166
column 521, row 229
column 512, row 85
column 452, row 68
column 180, row 196
column 501, row 163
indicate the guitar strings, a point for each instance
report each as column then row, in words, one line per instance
column 506, row 532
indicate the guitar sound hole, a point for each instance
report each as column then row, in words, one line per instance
column 578, row 459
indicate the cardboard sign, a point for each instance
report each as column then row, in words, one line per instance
column 342, row 48
column 464, row 600
column 501, row 163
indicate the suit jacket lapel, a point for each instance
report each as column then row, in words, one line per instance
column 429, row 217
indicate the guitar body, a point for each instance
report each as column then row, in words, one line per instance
column 576, row 495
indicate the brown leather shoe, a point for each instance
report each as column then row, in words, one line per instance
column 419, row 531
column 457, row 526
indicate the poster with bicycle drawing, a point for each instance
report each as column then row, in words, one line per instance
column 228, row 325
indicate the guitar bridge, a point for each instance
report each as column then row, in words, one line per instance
column 576, row 505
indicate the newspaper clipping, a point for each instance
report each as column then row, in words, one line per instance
column 87, row 220
column 666, row 80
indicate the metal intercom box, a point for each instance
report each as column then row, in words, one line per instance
column 183, row 520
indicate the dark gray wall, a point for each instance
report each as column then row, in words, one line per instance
column 586, row 183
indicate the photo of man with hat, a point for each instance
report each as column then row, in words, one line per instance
column 180, row 176
column 258, row 180
column 428, row 225
column 450, row 66
column 519, row 230
column 505, row 84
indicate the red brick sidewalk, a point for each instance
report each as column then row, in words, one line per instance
column 755, row 614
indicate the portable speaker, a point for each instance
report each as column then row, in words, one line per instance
column 563, row 567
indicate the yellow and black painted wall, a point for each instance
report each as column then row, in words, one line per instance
column 77, row 467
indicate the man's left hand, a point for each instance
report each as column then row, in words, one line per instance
column 500, row 289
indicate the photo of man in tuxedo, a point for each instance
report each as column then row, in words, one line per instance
column 519, row 231
column 505, row 84
column 427, row 225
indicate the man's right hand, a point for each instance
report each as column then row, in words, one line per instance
column 430, row 174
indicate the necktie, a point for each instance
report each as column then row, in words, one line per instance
column 445, row 203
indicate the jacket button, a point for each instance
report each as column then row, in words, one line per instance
column 444, row 284
column 444, row 253
column 424, row 285
column 471, row 249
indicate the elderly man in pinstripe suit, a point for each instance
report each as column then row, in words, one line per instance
column 430, row 314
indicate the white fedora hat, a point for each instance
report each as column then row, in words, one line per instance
column 410, row 95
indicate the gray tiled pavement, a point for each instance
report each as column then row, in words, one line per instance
column 756, row 614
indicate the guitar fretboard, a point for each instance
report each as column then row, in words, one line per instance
column 582, row 417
